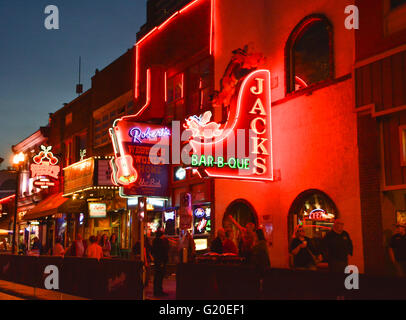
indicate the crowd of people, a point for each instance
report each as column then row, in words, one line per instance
column 96, row 247
column 250, row 244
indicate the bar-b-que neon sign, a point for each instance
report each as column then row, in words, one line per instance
column 222, row 151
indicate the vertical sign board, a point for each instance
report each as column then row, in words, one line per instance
column 242, row 147
column 141, row 164
column 45, row 167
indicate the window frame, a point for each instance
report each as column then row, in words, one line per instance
column 402, row 145
column 298, row 31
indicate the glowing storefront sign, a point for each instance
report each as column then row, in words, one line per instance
column 97, row 210
column 138, row 135
column 248, row 127
column 137, row 170
column 45, row 165
column 320, row 215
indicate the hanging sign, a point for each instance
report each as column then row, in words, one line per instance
column 242, row 147
column 45, row 166
column 141, row 165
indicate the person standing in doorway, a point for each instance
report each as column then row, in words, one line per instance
column 160, row 250
column 397, row 250
column 337, row 247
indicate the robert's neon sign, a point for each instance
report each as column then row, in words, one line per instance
column 138, row 135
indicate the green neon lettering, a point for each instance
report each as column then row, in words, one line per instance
column 232, row 163
column 210, row 160
column 247, row 164
column 194, row 160
column 220, row 162
column 202, row 161
column 240, row 163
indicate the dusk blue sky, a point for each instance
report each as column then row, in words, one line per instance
column 39, row 67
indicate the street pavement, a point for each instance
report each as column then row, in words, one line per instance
column 169, row 286
column 4, row 296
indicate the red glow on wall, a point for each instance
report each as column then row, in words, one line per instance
column 162, row 27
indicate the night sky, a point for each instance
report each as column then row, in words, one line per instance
column 39, row 67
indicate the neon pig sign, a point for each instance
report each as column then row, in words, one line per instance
column 248, row 131
column 45, row 164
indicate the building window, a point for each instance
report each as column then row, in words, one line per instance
column 402, row 140
column 396, row 3
column 200, row 85
column 175, row 109
column 68, row 119
column 309, row 53
column 242, row 212
column 316, row 212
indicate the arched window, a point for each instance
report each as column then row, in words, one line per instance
column 309, row 53
column 316, row 212
column 242, row 212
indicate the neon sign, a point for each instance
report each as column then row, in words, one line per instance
column 45, row 164
column 201, row 126
column 250, row 121
column 136, row 169
column 320, row 215
column 138, row 135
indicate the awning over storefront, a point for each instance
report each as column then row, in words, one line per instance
column 46, row 207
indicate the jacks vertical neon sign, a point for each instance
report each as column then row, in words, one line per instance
column 248, row 131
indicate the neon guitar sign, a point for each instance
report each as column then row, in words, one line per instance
column 123, row 165
column 134, row 169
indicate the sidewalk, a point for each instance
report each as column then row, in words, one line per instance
column 169, row 285
column 31, row 293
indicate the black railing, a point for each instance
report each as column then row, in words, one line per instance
column 203, row 281
column 82, row 277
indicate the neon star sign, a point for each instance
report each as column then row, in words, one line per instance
column 45, row 164
column 248, row 130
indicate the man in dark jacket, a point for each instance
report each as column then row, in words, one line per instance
column 338, row 247
column 160, row 250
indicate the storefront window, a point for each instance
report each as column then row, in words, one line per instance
column 316, row 212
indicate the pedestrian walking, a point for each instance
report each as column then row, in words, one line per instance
column 303, row 252
column 337, row 246
column 397, row 250
column 94, row 250
column 160, row 250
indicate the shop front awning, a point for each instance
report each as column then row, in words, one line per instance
column 46, row 207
